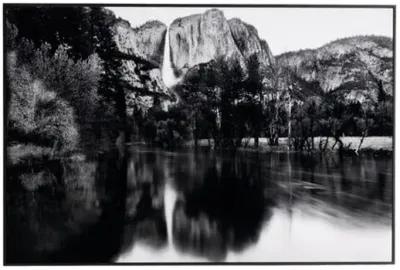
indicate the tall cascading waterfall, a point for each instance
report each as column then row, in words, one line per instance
column 167, row 71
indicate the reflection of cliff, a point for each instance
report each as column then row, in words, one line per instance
column 147, row 224
column 225, row 213
column 145, row 220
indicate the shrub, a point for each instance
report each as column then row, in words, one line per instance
column 21, row 97
column 54, row 120
column 52, row 97
column 36, row 114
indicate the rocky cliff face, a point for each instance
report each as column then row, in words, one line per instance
column 356, row 67
column 204, row 37
column 146, row 41
column 248, row 42
column 144, row 44
column 199, row 39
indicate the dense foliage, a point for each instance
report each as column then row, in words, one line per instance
column 70, row 53
column 52, row 98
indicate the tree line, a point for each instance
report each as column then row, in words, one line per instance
column 226, row 103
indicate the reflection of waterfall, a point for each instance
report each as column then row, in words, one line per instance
column 167, row 71
column 169, row 203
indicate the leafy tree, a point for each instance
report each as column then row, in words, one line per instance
column 254, row 97
column 169, row 129
column 200, row 93
column 383, row 118
column 22, row 95
column 230, row 81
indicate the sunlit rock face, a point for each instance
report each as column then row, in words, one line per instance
column 355, row 67
column 248, row 42
column 200, row 38
column 147, row 43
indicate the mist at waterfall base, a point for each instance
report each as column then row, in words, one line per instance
column 184, row 206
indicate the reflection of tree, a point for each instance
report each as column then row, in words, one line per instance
column 76, row 214
column 225, row 213
column 27, row 214
column 101, row 241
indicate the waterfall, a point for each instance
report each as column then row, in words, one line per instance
column 167, row 71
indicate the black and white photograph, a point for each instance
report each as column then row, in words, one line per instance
column 198, row 134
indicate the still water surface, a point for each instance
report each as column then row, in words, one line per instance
column 158, row 206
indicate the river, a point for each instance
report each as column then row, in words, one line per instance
column 153, row 205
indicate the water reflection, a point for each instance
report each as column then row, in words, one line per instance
column 226, row 212
column 337, row 186
column 65, row 211
column 145, row 221
column 199, row 206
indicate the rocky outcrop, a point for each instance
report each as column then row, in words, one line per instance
column 146, row 41
column 248, row 42
column 357, row 67
column 199, row 39
column 142, row 58
column 204, row 37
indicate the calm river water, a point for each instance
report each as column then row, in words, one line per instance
column 157, row 206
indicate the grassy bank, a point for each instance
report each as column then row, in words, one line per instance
column 381, row 143
column 20, row 153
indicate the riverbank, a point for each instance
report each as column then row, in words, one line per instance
column 373, row 143
column 19, row 153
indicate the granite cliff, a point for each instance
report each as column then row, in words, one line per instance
column 141, row 50
column 201, row 38
column 248, row 42
column 355, row 68
column 146, row 41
